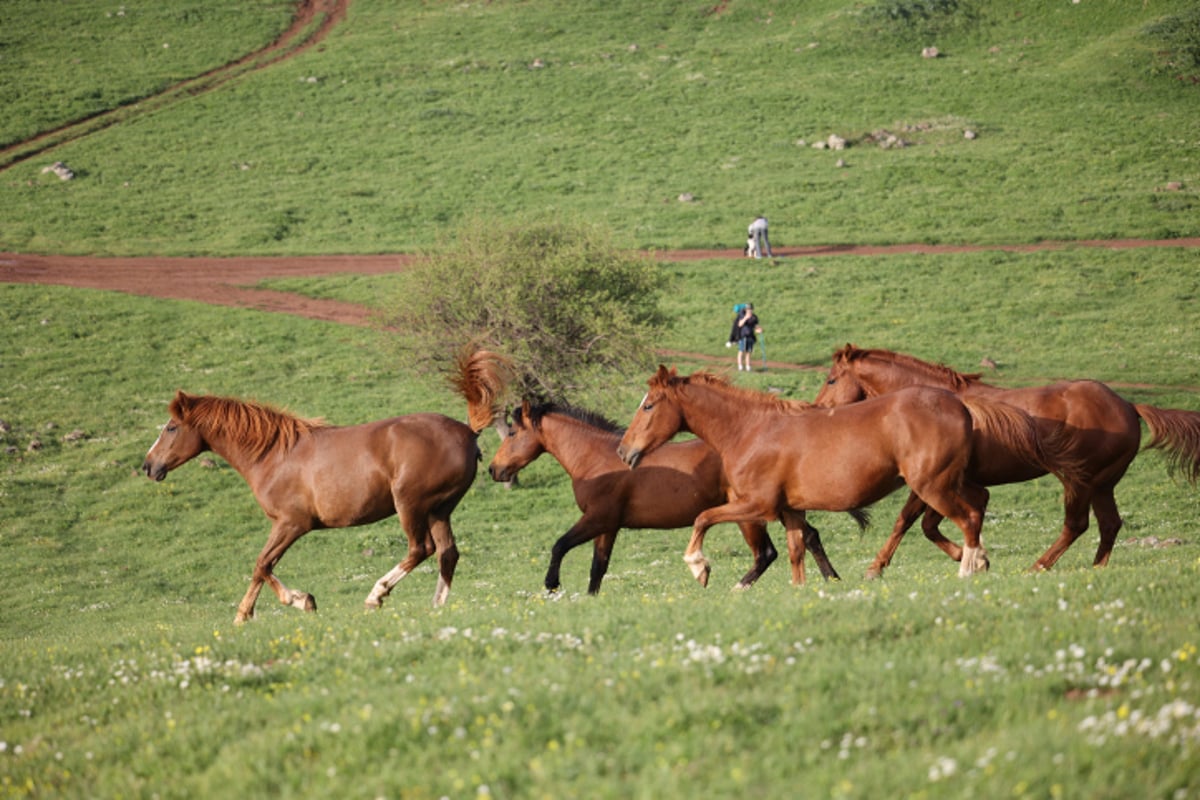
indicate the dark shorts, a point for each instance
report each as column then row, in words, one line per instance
column 746, row 345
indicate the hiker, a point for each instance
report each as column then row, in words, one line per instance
column 758, row 242
column 743, row 333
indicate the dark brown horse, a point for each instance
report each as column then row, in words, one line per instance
column 677, row 482
column 1097, row 430
column 783, row 458
column 307, row 475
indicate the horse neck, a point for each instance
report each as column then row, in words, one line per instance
column 881, row 377
column 714, row 415
column 238, row 455
column 583, row 450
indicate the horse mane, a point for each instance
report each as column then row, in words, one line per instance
column 480, row 376
column 259, row 428
column 749, row 397
column 539, row 411
column 937, row 373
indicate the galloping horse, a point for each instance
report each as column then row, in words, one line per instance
column 1098, row 430
column 307, row 475
column 783, row 458
column 678, row 481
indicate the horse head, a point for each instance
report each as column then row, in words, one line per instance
column 842, row 384
column 522, row 444
column 657, row 419
column 177, row 444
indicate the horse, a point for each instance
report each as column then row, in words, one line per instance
column 680, row 480
column 307, row 475
column 785, row 457
column 1098, row 429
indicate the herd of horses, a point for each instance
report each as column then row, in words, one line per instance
column 882, row 421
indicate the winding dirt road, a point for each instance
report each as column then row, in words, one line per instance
column 233, row 281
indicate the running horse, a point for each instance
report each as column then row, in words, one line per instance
column 783, row 458
column 1097, row 429
column 678, row 481
column 307, row 475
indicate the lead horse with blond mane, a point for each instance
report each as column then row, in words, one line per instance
column 783, row 458
column 307, row 475
column 1096, row 428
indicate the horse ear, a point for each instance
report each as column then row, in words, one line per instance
column 181, row 401
column 662, row 373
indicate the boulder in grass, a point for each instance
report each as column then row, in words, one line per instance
column 61, row 170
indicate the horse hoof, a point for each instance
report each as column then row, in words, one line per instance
column 873, row 574
column 371, row 604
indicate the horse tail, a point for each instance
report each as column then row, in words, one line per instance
column 1019, row 433
column 1177, row 433
column 481, row 376
column 862, row 516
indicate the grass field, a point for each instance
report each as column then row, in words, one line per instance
column 123, row 674
column 411, row 118
column 121, row 671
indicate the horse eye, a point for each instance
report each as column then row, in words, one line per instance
column 647, row 406
column 831, row 381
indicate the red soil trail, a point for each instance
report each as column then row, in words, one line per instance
column 311, row 23
column 232, row 281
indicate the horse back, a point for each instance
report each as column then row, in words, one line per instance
column 352, row 475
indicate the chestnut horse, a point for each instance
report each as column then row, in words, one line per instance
column 678, row 481
column 1098, row 430
column 783, row 458
column 307, row 475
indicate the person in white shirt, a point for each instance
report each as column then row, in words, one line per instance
column 758, row 238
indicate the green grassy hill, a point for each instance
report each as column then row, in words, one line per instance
column 411, row 117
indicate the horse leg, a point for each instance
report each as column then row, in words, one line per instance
column 730, row 512
column 282, row 536
column 420, row 547
column 929, row 526
column 812, row 543
column 914, row 506
column 796, row 548
column 582, row 531
column 1108, row 519
column 756, row 536
column 447, row 553
column 601, row 552
column 965, row 508
column 1075, row 522
column 796, row 525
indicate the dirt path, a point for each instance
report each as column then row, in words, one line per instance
column 312, row 21
column 232, row 281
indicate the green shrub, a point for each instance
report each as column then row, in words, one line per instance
column 1179, row 37
column 559, row 299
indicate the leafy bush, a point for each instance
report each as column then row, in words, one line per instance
column 558, row 299
column 1179, row 36
column 920, row 19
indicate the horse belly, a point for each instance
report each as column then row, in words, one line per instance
column 666, row 498
column 843, row 481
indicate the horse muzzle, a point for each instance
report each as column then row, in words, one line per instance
column 500, row 474
column 155, row 472
column 630, row 456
